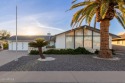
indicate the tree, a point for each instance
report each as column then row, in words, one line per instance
column 39, row 43
column 4, row 34
column 105, row 11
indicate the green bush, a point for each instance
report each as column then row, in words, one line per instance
column 51, row 51
column 0, row 47
column 67, row 51
column 81, row 50
column 113, row 51
column 5, row 46
column 34, row 52
column 50, row 46
column 97, row 51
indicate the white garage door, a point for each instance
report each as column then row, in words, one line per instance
column 25, row 46
column 13, row 45
column 21, row 46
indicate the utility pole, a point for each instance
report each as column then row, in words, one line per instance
column 16, row 35
column 16, row 29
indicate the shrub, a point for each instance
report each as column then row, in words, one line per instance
column 50, row 46
column 81, row 50
column 5, row 46
column 113, row 51
column 51, row 51
column 97, row 51
column 68, row 51
column 34, row 52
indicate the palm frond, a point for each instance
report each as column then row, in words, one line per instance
column 81, row 4
column 104, row 8
column 120, row 19
column 86, row 12
column 92, row 10
column 39, row 42
column 74, row 1
column 76, row 16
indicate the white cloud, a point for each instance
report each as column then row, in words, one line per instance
column 121, row 33
column 31, row 25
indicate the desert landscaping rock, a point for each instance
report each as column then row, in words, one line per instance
column 46, row 59
column 65, row 63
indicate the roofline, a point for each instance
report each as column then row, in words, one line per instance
column 25, row 40
column 29, row 36
column 118, row 39
column 88, row 27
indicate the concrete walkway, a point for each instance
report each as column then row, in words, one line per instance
column 63, row 77
column 7, row 56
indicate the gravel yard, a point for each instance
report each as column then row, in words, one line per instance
column 65, row 63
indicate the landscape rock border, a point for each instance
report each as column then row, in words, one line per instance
column 112, row 59
column 46, row 59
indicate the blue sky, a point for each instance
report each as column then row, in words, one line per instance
column 38, row 17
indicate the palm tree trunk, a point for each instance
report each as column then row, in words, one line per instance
column 40, row 53
column 104, row 33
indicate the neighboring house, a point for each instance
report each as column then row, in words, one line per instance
column 84, row 36
column 22, row 44
column 1, row 45
column 119, row 43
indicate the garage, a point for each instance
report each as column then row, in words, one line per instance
column 22, row 41
column 21, row 46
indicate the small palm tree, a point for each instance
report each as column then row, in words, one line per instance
column 39, row 43
column 105, row 11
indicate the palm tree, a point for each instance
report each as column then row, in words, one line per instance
column 39, row 43
column 105, row 11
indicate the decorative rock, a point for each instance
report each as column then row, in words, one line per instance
column 47, row 59
column 114, row 58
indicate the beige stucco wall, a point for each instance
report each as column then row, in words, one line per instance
column 118, row 45
column 119, row 42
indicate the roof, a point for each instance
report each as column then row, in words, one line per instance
column 90, row 28
column 122, row 38
column 116, row 39
column 48, row 38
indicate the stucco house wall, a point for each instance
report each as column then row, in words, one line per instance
column 118, row 44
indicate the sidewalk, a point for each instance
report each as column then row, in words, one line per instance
column 63, row 77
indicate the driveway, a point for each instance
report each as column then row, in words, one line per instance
column 8, row 56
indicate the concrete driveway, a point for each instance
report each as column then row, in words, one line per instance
column 8, row 56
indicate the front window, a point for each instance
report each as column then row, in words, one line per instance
column 96, row 42
column 88, row 41
column 79, row 38
column 70, row 42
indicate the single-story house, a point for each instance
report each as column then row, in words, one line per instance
column 118, row 41
column 83, row 36
column 22, row 43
